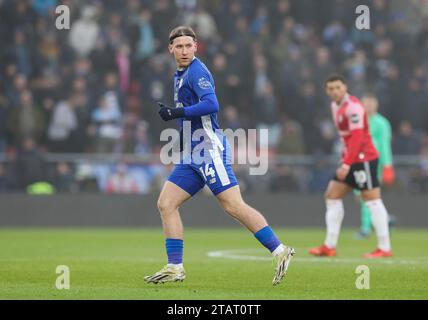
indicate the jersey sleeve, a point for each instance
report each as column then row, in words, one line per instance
column 355, row 114
column 201, row 81
column 202, row 84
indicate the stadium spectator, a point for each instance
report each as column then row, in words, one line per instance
column 64, row 180
column 3, row 118
column 62, row 127
column 121, row 181
column 3, row 179
column 205, row 26
column 26, row 120
column 291, row 139
column 406, row 142
column 146, row 44
column 283, row 180
column 42, row 7
column 81, row 109
column 124, row 68
column 19, row 83
column 231, row 119
column 105, row 124
column 267, row 109
column 29, row 164
column 142, row 141
column 84, row 32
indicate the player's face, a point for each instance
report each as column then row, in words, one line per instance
column 183, row 48
column 370, row 104
column 336, row 90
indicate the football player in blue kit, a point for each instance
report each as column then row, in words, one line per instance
column 196, row 103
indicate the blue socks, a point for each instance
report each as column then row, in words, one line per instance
column 174, row 250
column 174, row 247
column 268, row 238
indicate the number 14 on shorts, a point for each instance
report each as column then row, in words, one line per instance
column 208, row 174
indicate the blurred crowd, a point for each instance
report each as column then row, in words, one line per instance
column 93, row 88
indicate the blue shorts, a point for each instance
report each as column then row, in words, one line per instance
column 217, row 175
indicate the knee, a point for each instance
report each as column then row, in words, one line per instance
column 331, row 195
column 370, row 195
column 165, row 205
column 328, row 195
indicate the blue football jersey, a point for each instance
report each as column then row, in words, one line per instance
column 190, row 86
column 209, row 161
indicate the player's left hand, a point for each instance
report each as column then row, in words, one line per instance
column 168, row 113
column 342, row 172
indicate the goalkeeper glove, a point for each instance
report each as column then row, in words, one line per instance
column 388, row 175
column 168, row 113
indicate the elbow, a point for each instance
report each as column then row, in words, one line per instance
column 215, row 106
column 211, row 104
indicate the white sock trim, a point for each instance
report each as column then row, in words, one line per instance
column 175, row 266
column 333, row 202
column 375, row 202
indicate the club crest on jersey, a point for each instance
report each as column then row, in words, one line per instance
column 204, row 83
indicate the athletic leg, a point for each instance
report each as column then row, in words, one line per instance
column 170, row 200
column 182, row 184
column 232, row 203
column 366, row 219
column 336, row 191
column 373, row 200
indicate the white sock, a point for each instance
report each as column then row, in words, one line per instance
column 380, row 223
column 333, row 220
column 280, row 249
column 175, row 266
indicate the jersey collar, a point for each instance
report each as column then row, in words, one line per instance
column 345, row 99
column 182, row 69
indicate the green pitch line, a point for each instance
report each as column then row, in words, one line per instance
column 111, row 264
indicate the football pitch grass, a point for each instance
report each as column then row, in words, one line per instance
column 219, row 263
